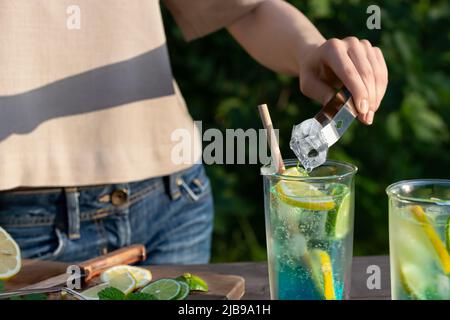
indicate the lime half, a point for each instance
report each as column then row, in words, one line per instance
column 195, row 282
column 163, row 289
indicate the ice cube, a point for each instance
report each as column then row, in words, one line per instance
column 309, row 144
column 298, row 245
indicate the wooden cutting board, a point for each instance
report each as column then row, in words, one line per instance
column 221, row 286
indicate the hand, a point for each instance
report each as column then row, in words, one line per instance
column 350, row 62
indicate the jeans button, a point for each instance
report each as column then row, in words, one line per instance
column 119, row 197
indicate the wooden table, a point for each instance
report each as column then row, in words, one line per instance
column 257, row 281
column 254, row 273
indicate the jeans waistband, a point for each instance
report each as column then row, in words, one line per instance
column 68, row 207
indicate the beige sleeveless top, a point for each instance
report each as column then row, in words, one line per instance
column 86, row 91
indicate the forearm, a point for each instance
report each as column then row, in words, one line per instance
column 277, row 35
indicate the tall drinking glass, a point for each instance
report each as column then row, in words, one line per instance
column 309, row 230
column 419, row 239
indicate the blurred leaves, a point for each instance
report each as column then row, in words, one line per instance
column 410, row 137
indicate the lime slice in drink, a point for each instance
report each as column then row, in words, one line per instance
column 415, row 255
column 438, row 245
column 413, row 281
column 322, row 272
column 163, row 289
column 342, row 224
column 184, row 291
column 338, row 220
column 301, row 194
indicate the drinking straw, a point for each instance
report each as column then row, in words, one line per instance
column 277, row 160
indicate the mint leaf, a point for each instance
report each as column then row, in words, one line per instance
column 35, row 296
column 111, row 293
column 140, row 296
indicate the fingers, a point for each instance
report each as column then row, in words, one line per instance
column 358, row 54
column 381, row 74
column 337, row 58
column 362, row 69
column 379, row 68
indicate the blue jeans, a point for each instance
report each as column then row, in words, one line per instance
column 172, row 216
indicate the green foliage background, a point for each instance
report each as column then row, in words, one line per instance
column 410, row 137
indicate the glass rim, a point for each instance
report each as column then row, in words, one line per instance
column 390, row 190
column 351, row 171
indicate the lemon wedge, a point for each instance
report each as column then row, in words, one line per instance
column 141, row 275
column 10, row 260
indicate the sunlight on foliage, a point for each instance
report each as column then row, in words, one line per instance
column 409, row 139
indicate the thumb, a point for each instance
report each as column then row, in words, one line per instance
column 314, row 88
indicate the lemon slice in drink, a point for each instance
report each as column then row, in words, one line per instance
column 141, row 275
column 323, row 273
column 10, row 260
column 438, row 245
column 301, row 194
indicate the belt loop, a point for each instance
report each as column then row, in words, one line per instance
column 174, row 182
column 73, row 213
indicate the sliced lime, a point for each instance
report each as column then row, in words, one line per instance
column 342, row 222
column 417, row 260
column 184, row 291
column 412, row 281
column 195, row 282
column 92, row 293
column 338, row 219
column 420, row 284
column 163, row 289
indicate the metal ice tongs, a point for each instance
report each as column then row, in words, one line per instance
column 312, row 138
